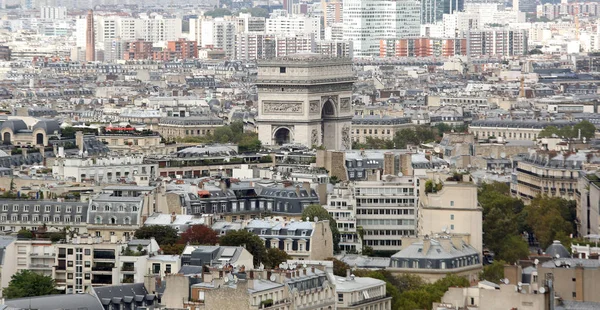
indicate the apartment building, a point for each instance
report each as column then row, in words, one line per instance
column 432, row 258
column 573, row 279
column 219, row 33
column 117, row 211
column 512, row 129
column 341, row 206
column 33, row 214
column 497, row 42
column 548, row 173
column 137, row 50
column 8, row 266
column 302, row 240
column 84, row 262
column 53, row 12
column 171, row 128
column 224, row 288
column 423, row 47
column 104, row 169
column 452, row 209
column 125, row 143
column 186, row 49
column 361, row 293
column 386, row 211
column 378, row 126
column 368, row 22
column 35, row 255
column 248, row 23
column 295, row 24
column 587, row 196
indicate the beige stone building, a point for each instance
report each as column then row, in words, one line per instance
column 453, row 209
column 361, row 293
column 172, row 128
column 301, row 288
column 142, row 144
column 574, row 279
column 305, row 99
column 489, row 296
column 548, row 173
column 378, row 126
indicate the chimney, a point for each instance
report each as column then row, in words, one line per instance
column 306, row 186
column 312, row 269
column 79, row 140
column 348, row 274
column 288, row 275
column 90, row 39
column 426, row 245
column 298, row 190
column 251, row 274
column 304, row 271
column 173, row 217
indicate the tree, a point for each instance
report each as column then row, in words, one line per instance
column 550, row 217
column 588, row 130
column 218, row 13
column 249, row 143
column 339, row 267
column 548, row 132
column 276, row 256
column 199, row 234
column 494, row 272
column 259, row 12
column 319, row 212
column 26, row 283
column 162, row 234
column 24, row 234
column 513, row 248
column 424, row 296
column 250, row 241
column 172, row 249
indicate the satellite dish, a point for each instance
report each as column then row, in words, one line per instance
column 304, row 266
column 505, row 280
column 226, row 279
column 536, row 261
column 519, row 284
column 281, row 265
column 557, row 255
column 235, row 279
column 273, row 278
column 542, row 290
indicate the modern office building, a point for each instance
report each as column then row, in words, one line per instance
column 386, row 211
column 368, row 22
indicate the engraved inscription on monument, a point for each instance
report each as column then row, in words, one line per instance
column 274, row 107
column 345, row 104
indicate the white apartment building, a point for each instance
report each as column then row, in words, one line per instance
column 290, row 25
column 366, row 22
column 106, row 28
column 53, row 12
column 342, row 209
column 104, row 169
column 459, row 22
column 248, row 23
column 219, row 33
column 386, row 211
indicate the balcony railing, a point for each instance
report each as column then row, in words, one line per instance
column 367, row 300
column 102, row 268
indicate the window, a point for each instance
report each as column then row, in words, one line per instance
column 452, row 227
column 574, row 295
column 87, row 252
column 69, row 208
column 168, row 268
column 94, row 207
column 57, row 209
column 452, row 216
column 88, row 263
column 69, row 276
column 282, row 69
column 156, row 268
column 26, row 208
column 4, row 207
column 36, row 208
column 78, row 209
column 70, row 263
column 87, row 276
column 452, row 203
column 340, row 297
column 574, row 280
column 15, row 208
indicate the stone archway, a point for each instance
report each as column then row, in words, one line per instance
column 282, row 136
column 328, row 115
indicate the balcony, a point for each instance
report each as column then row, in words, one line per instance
column 42, row 255
column 40, row 267
column 366, row 301
column 128, row 269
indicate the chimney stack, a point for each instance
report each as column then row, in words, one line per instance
column 348, row 274
column 90, row 38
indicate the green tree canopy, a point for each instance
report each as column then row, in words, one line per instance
column 275, row 257
column 26, row 283
column 339, row 267
column 493, row 272
column 162, row 234
column 587, row 129
column 250, row 241
column 513, row 249
column 550, row 217
column 318, row 211
column 218, row 12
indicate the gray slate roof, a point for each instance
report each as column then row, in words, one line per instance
column 55, row 302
